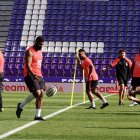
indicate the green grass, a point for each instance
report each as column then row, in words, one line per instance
column 112, row 123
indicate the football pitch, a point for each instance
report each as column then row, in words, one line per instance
column 64, row 123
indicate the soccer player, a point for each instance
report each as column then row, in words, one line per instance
column 123, row 65
column 33, row 77
column 1, row 79
column 91, row 79
column 135, row 71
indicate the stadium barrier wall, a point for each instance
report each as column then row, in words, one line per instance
column 61, row 87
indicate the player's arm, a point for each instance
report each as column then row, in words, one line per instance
column 107, row 68
column 78, row 60
column 28, row 62
column 90, row 71
column 113, row 64
column 132, row 69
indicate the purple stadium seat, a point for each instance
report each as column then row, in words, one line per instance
column 92, row 55
column 71, row 60
column 62, row 66
column 19, row 68
column 12, row 60
column 48, row 60
column 63, row 60
column 20, row 54
column 13, row 69
column 60, row 73
column 55, row 66
column 68, row 73
column 7, row 54
column 107, row 55
column 20, row 59
column 55, row 60
column 112, row 72
column 47, row 65
column 52, row 72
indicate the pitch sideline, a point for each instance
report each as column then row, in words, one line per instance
column 46, row 117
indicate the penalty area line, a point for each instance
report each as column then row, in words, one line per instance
column 46, row 117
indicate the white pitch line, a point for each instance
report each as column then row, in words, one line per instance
column 46, row 117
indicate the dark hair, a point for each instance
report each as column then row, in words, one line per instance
column 120, row 51
column 39, row 39
column 81, row 50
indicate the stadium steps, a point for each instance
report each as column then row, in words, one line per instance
column 6, row 8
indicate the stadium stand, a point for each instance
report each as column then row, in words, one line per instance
column 5, row 18
column 100, row 27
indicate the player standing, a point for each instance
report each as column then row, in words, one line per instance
column 33, row 77
column 123, row 65
column 92, row 79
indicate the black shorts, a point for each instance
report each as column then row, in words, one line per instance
column 135, row 82
column 122, row 81
column 91, row 84
column 1, row 80
column 34, row 85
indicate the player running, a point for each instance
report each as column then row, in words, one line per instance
column 91, row 79
column 123, row 65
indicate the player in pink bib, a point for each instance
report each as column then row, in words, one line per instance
column 91, row 80
column 33, row 77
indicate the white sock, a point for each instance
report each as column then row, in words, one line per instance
column 104, row 100
column 93, row 104
column 38, row 112
column 132, row 98
column 27, row 100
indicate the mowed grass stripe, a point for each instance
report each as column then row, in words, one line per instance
column 114, row 122
column 34, row 122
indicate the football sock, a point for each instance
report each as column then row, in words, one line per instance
column 104, row 100
column 93, row 104
column 27, row 100
column 38, row 113
column 132, row 98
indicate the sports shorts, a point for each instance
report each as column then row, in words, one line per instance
column 34, row 85
column 1, row 80
column 91, row 84
column 135, row 82
column 122, row 81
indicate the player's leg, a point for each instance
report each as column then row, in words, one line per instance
column 1, row 103
column 133, row 98
column 134, row 83
column 124, row 90
column 90, row 96
column 32, row 86
column 121, row 94
column 98, row 94
column 39, row 98
column 121, row 89
column 1, row 90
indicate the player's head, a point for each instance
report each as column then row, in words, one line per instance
column 39, row 42
column 82, row 54
column 122, row 53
